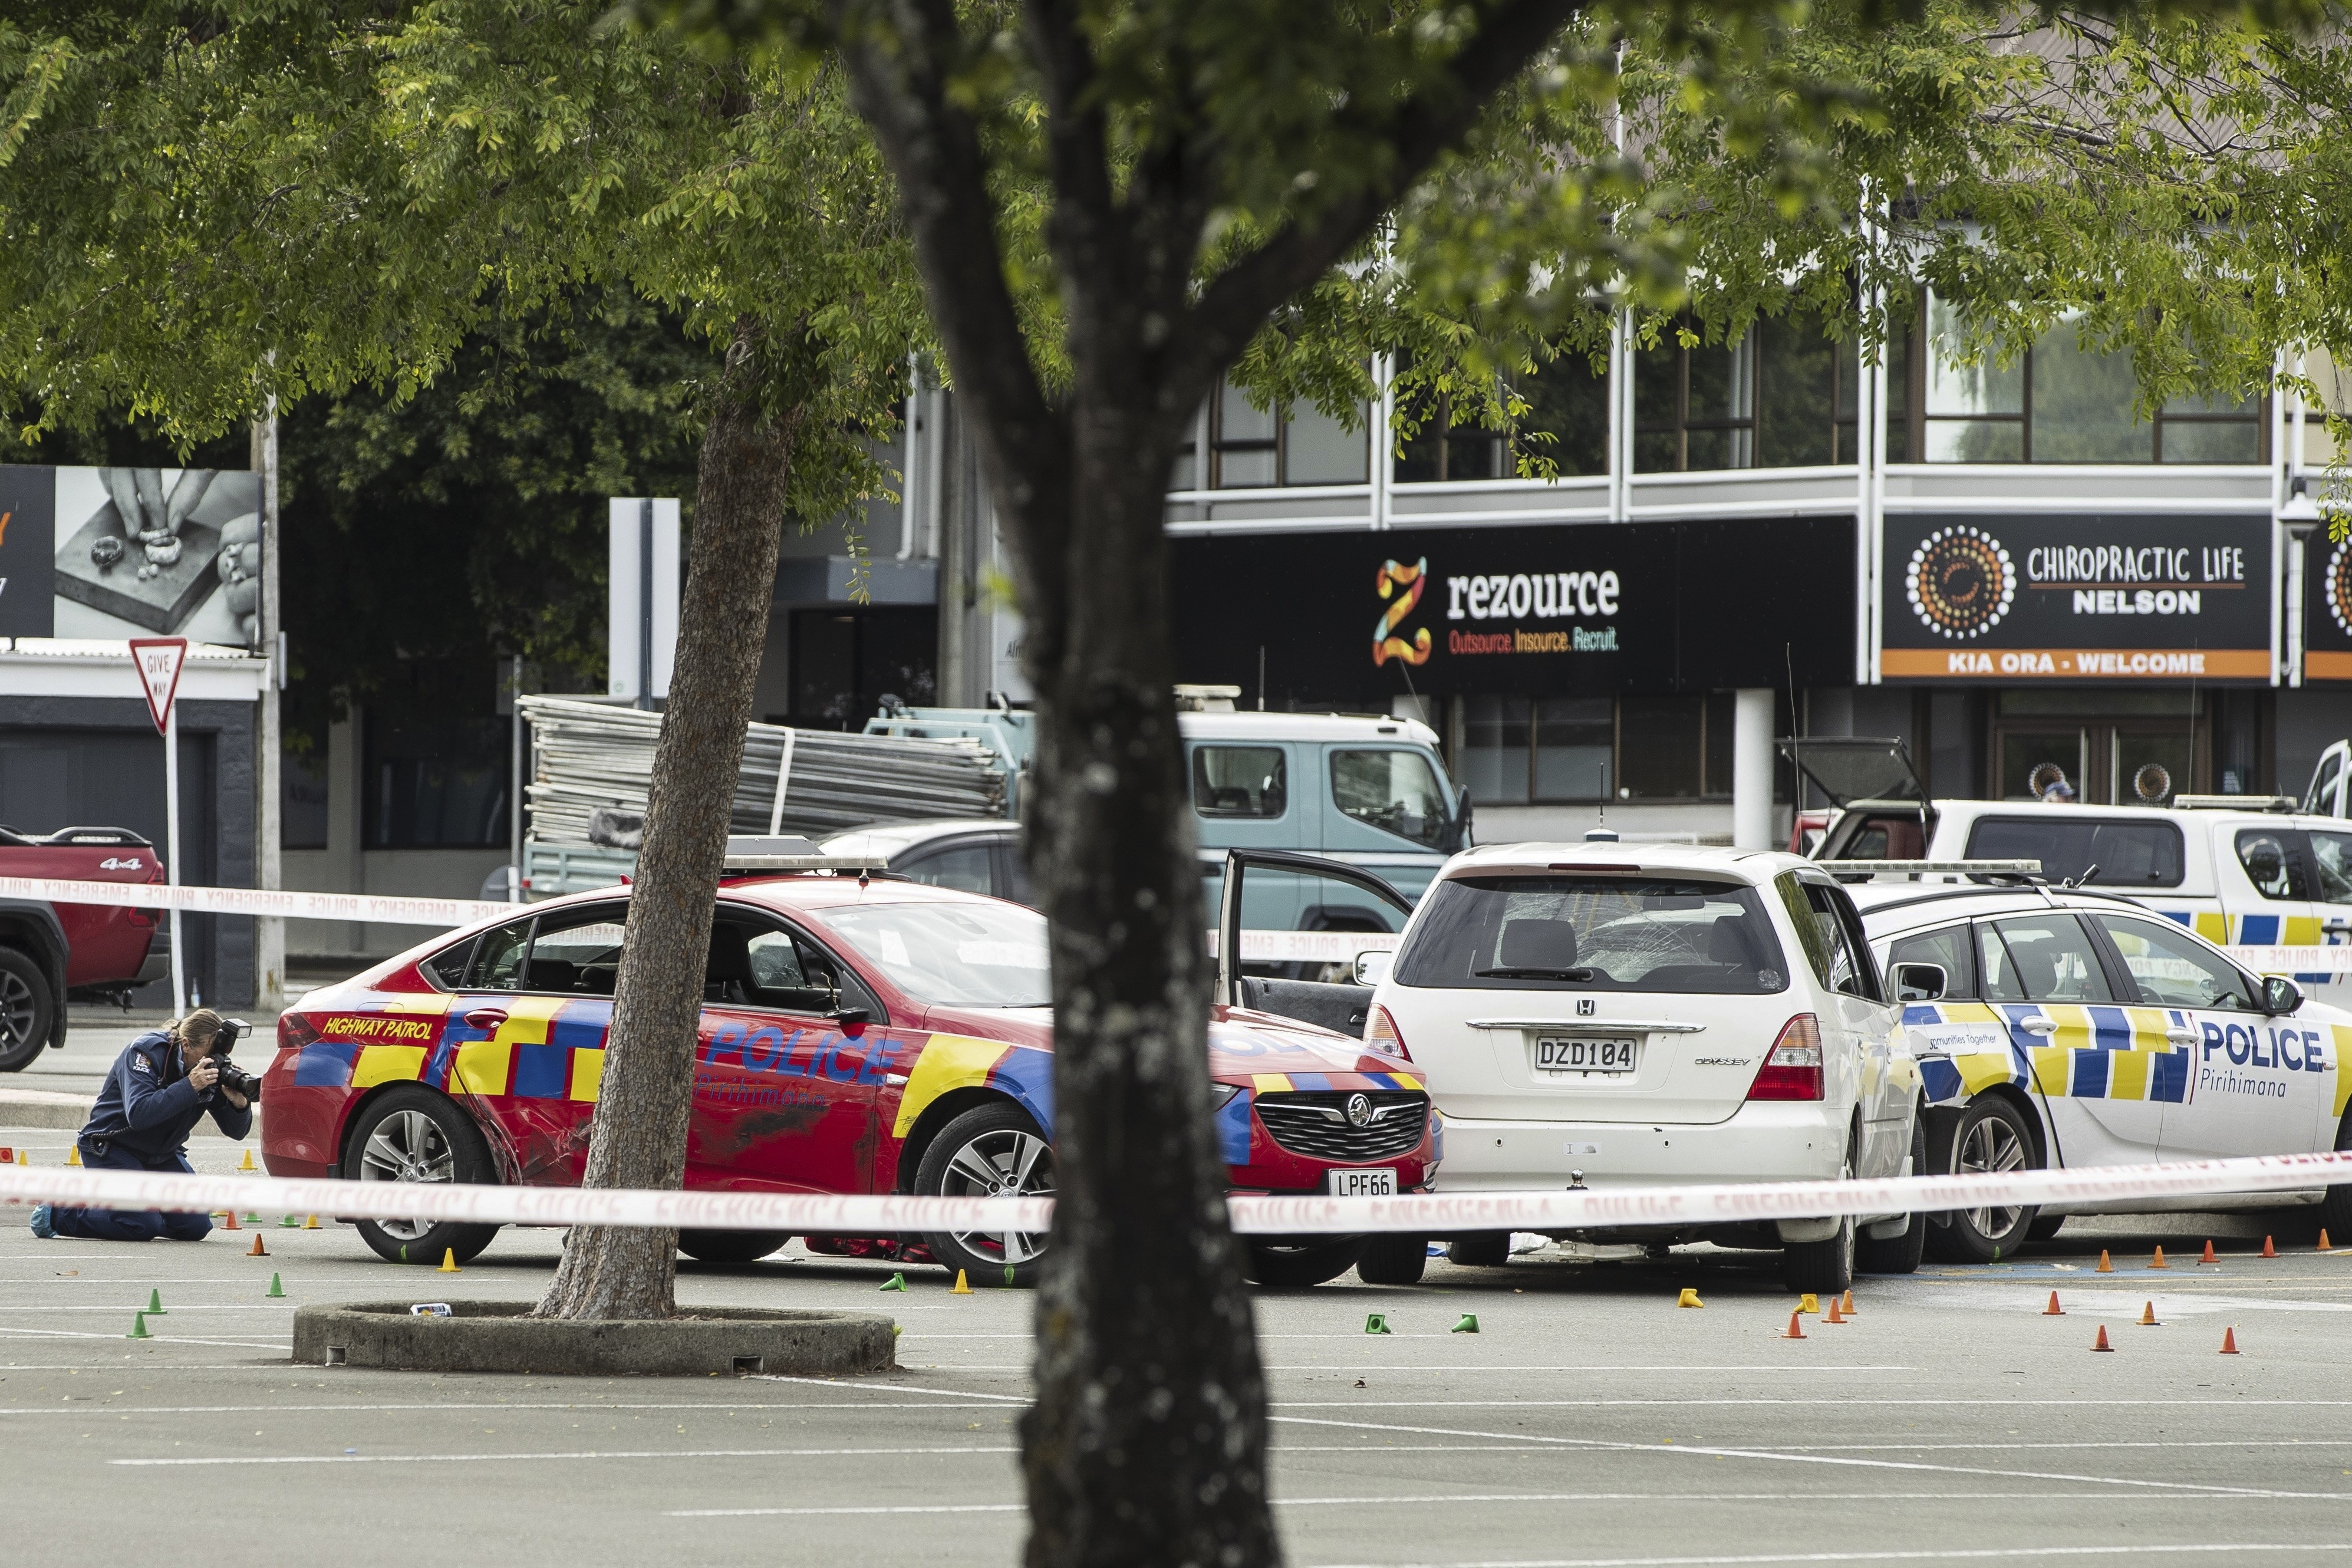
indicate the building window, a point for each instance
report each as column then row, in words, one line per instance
column 1783, row 397
column 302, row 801
column 1519, row 751
column 1566, row 423
column 2064, row 401
column 436, row 785
column 1254, row 449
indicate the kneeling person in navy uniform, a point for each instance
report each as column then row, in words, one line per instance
column 162, row 1084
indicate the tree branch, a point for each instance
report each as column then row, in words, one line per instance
column 1419, row 131
column 899, row 65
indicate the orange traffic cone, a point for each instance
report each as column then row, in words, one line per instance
column 2157, row 1261
column 2148, row 1317
column 2101, row 1342
column 1849, row 1304
column 2323, row 1240
column 231, row 1220
column 2105, row 1267
column 259, row 1250
column 2229, row 1341
column 2054, row 1310
column 1833, row 1315
column 2269, row 1250
column 2208, row 1256
column 1796, row 1326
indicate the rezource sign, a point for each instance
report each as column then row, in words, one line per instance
column 1571, row 609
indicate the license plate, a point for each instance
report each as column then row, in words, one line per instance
column 1580, row 1055
column 1380, row 1184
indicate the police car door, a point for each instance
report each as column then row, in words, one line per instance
column 2092, row 1060
column 2256, row 1085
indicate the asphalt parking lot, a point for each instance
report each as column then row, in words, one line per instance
column 1588, row 1422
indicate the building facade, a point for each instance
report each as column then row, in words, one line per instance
column 2008, row 568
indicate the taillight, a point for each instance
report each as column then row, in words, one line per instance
column 1380, row 1036
column 1793, row 1069
column 294, row 1031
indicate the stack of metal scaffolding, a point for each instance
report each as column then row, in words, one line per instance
column 591, row 754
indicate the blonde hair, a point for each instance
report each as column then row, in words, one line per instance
column 200, row 1027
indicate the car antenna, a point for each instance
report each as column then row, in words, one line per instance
column 2089, row 871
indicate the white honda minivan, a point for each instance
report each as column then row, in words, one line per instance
column 1600, row 1014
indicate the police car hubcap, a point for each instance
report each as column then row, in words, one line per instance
column 406, row 1146
column 1000, row 1164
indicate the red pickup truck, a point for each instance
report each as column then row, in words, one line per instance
column 52, row 952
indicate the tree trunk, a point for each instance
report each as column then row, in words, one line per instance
column 1147, row 1444
column 638, row 1136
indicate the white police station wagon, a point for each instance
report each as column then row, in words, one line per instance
column 1631, row 1014
column 2057, row 1026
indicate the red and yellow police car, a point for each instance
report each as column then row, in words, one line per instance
column 857, row 1035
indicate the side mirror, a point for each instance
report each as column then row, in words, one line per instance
column 1919, row 982
column 2279, row 994
column 853, row 1020
column 1371, row 968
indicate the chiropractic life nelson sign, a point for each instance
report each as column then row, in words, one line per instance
column 1579, row 610
column 2076, row 598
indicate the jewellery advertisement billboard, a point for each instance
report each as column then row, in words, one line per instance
column 115, row 553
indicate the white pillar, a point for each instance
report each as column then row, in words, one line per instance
column 269, row 636
column 1751, row 768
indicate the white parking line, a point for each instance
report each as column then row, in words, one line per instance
column 1949, row 1555
column 154, row 1338
column 2158, row 1443
column 576, row 1454
column 1939, row 1401
column 172, row 1311
column 1770, row 1456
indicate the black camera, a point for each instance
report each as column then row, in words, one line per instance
column 233, row 1076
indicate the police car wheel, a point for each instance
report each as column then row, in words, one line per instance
column 991, row 1151
column 27, row 1009
column 1991, row 1134
column 1393, row 1259
column 409, row 1133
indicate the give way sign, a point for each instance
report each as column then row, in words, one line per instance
column 159, row 660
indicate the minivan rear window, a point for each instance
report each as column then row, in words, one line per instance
column 2125, row 853
column 1592, row 933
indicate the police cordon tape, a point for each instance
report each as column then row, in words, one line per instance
column 441, row 912
column 1270, row 946
column 1444, row 1213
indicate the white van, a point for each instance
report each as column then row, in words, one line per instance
column 2240, row 871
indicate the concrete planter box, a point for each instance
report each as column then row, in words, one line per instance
column 499, row 1336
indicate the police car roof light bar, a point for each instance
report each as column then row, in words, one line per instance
column 2266, row 802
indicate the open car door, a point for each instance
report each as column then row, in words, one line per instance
column 1291, row 929
column 1883, row 809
